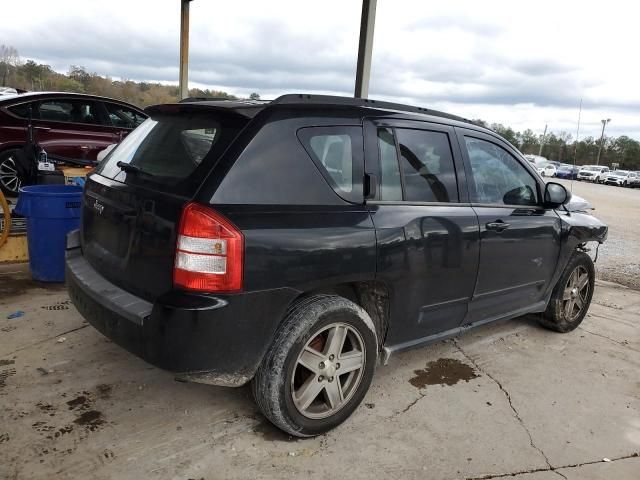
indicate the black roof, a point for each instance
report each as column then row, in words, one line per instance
column 250, row 108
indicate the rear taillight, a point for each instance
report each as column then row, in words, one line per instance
column 209, row 252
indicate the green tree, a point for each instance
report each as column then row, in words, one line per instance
column 507, row 132
column 254, row 96
column 9, row 61
column 70, row 85
column 79, row 74
column 529, row 142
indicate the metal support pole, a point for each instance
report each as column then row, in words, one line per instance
column 542, row 141
column 604, row 124
column 184, row 49
column 365, row 48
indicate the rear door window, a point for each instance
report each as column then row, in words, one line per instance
column 337, row 151
column 390, row 181
column 416, row 166
column 71, row 111
column 427, row 166
column 172, row 149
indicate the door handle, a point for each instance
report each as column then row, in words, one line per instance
column 43, row 129
column 497, row 226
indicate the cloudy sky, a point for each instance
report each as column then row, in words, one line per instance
column 523, row 64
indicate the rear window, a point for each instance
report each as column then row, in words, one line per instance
column 337, row 151
column 21, row 110
column 171, row 149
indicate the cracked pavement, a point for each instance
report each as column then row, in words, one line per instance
column 539, row 405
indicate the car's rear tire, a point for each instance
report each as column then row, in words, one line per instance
column 303, row 386
column 571, row 296
column 9, row 181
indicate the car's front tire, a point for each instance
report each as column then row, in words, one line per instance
column 319, row 367
column 571, row 296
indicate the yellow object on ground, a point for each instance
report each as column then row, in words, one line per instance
column 15, row 250
column 6, row 217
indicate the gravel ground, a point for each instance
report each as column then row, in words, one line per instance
column 619, row 257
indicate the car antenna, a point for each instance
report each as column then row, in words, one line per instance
column 575, row 152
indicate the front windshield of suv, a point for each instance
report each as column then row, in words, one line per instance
column 592, row 169
column 622, row 173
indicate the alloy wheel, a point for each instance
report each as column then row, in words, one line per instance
column 9, row 175
column 576, row 293
column 328, row 371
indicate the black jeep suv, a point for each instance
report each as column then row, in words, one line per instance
column 293, row 243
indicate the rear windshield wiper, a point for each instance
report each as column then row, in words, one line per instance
column 127, row 167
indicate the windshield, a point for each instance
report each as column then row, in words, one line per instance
column 623, row 173
column 592, row 169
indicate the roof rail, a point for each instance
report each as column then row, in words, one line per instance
column 204, row 99
column 303, row 98
column 224, row 99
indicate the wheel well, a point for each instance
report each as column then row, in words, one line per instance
column 372, row 296
column 4, row 148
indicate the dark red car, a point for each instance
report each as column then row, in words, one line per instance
column 67, row 125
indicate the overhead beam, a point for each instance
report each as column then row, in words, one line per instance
column 365, row 48
column 183, row 85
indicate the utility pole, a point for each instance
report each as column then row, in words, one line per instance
column 365, row 48
column 604, row 124
column 542, row 141
column 183, row 86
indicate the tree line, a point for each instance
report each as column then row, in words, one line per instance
column 30, row 75
column 563, row 148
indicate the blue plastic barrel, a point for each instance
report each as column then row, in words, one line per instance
column 52, row 211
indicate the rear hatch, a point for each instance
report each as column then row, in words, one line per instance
column 133, row 203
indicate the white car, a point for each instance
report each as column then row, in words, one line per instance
column 537, row 160
column 593, row 173
column 621, row 178
column 548, row 170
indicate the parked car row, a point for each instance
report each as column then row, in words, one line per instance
column 587, row 173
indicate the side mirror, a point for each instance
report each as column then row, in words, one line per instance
column 555, row 195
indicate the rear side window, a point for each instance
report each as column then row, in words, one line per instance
column 21, row 110
column 169, row 149
column 337, row 151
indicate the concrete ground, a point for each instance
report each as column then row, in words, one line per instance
column 507, row 400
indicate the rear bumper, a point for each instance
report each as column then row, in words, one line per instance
column 206, row 339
